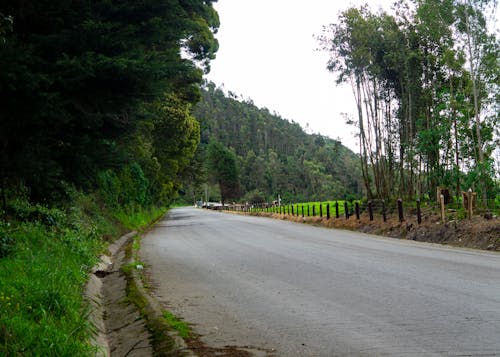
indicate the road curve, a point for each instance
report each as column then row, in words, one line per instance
column 310, row 291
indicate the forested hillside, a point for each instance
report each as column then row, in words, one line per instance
column 273, row 156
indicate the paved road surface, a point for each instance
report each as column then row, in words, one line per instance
column 310, row 291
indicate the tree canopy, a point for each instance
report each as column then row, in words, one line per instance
column 89, row 86
column 425, row 81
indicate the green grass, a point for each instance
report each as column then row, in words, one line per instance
column 41, row 306
column 45, row 256
column 302, row 208
column 138, row 217
column 180, row 326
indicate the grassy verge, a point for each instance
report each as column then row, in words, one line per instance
column 139, row 218
column 45, row 256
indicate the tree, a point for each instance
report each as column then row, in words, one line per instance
column 482, row 54
column 77, row 76
column 223, row 169
column 413, row 92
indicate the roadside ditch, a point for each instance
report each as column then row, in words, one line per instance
column 126, row 319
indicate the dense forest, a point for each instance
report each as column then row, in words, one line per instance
column 425, row 80
column 271, row 156
column 97, row 95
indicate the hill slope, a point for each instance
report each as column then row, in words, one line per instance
column 276, row 156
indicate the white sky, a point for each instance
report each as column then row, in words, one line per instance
column 268, row 54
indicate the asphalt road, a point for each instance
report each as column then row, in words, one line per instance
column 310, row 291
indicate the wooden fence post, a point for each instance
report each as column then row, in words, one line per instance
column 321, row 209
column 419, row 213
column 400, row 210
column 308, row 210
column 370, row 210
column 302, row 211
column 384, row 213
column 356, row 205
column 337, row 209
column 469, row 203
column 346, row 210
column 442, row 205
column 292, row 211
column 314, row 210
column 327, row 211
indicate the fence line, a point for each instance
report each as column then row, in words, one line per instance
column 374, row 208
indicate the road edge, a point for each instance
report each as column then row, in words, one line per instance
column 93, row 295
column 166, row 341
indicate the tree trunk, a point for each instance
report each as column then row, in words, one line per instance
column 476, row 111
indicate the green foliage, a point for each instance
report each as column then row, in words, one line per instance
column 96, row 98
column 425, row 82
column 222, row 167
column 86, row 89
column 41, row 308
column 45, row 256
column 254, row 197
column 128, row 188
column 7, row 242
column 274, row 156
column 135, row 218
column 175, row 138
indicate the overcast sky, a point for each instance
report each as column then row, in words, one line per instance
column 268, row 54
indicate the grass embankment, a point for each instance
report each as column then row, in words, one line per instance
column 45, row 256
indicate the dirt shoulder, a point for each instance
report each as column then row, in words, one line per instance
column 478, row 233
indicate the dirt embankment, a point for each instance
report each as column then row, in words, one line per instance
column 479, row 232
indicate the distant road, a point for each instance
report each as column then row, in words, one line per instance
column 310, row 291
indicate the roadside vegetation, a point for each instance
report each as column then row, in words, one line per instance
column 96, row 133
column 45, row 256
